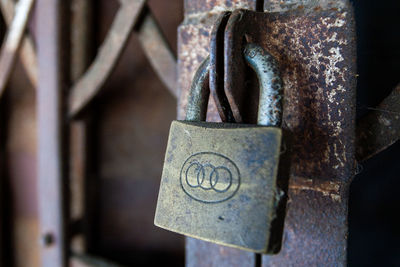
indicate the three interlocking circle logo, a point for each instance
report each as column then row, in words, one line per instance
column 210, row 177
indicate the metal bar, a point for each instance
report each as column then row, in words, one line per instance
column 158, row 51
column 81, row 37
column 234, row 80
column 27, row 50
column 77, row 179
column 380, row 128
column 91, row 83
column 13, row 40
column 81, row 47
column 217, row 68
column 2, row 187
column 50, row 133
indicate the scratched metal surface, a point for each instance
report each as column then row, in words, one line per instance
column 315, row 47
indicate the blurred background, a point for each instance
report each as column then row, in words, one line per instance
column 132, row 120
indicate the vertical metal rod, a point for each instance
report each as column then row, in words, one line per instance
column 81, row 39
column 2, row 167
column 50, row 134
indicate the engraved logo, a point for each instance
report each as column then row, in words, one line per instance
column 210, row 177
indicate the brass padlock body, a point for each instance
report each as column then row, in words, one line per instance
column 219, row 183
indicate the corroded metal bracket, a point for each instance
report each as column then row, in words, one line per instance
column 217, row 68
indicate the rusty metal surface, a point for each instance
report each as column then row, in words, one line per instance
column 315, row 49
column 281, row 6
column 27, row 51
column 51, row 129
column 88, row 86
column 207, row 7
column 380, row 128
column 13, row 39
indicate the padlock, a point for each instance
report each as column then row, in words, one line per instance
column 219, row 179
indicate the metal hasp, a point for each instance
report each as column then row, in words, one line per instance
column 314, row 43
column 219, row 179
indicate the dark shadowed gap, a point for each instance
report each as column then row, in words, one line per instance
column 260, row 5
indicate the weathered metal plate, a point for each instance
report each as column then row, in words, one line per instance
column 219, row 183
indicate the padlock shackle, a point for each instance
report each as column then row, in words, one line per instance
column 271, row 90
column 270, row 83
column 199, row 93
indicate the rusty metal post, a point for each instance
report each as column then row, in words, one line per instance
column 51, row 130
